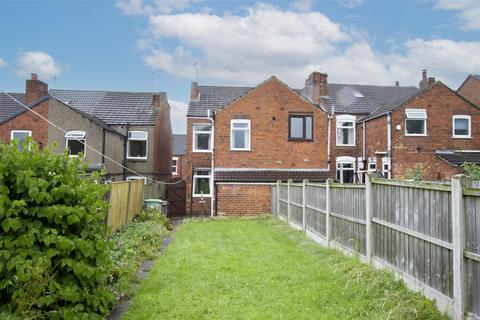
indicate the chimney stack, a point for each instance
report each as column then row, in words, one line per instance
column 194, row 93
column 35, row 89
column 425, row 82
column 316, row 86
column 156, row 102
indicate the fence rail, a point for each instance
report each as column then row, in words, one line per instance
column 125, row 202
column 428, row 234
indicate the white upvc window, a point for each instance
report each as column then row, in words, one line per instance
column 415, row 122
column 132, row 178
column 175, row 166
column 372, row 164
column 345, row 169
column 240, row 135
column 20, row 136
column 386, row 172
column 76, row 142
column 346, row 130
column 202, row 180
column 462, row 126
column 202, row 137
column 137, row 146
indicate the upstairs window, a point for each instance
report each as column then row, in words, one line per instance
column 202, row 137
column 20, row 136
column 300, row 127
column 137, row 145
column 175, row 166
column 416, row 122
column 201, row 183
column 345, row 130
column 462, row 126
column 75, row 141
column 240, row 135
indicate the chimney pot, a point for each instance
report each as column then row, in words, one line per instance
column 397, row 83
column 156, row 102
column 424, row 74
column 194, row 93
column 316, row 86
column 33, row 76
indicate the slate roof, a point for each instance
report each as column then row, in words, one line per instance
column 9, row 108
column 457, row 158
column 179, row 146
column 112, row 107
column 340, row 95
column 269, row 175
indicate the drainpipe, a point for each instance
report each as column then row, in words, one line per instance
column 212, row 180
column 125, row 141
column 389, row 144
column 329, row 135
column 103, row 146
column 364, row 147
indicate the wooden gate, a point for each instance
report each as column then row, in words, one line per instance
column 176, row 199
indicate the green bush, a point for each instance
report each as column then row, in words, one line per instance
column 472, row 170
column 133, row 243
column 54, row 256
column 415, row 173
column 156, row 215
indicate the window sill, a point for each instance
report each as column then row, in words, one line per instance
column 415, row 135
column 300, row 140
column 199, row 196
column 346, row 145
column 462, row 137
column 137, row 159
column 241, row 150
column 202, row 151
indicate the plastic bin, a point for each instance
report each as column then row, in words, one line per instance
column 157, row 204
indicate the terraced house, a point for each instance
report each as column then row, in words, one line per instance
column 240, row 140
column 118, row 131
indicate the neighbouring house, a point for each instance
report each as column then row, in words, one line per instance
column 434, row 128
column 179, row 159
column 121, row 129
column 470, row 88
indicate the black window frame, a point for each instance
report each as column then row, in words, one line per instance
column 304, row 123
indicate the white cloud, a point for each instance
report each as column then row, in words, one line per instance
column 468, row 11
column 350, row 3
column 2, row 63
column 247, row 49
column 37, row 62
column 302, row 5
column 178, row 112
column 139, row 7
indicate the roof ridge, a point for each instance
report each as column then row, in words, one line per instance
column 110, row 91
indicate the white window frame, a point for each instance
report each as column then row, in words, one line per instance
column 133, row 178
column 423, row 117
column 76, row 135
column 137, row 139
column 345, row 160
column 209, row 176
column 12, row 133
column 464, row 117
column 345, row 118
column 371, row 161
column 194, row 134
column 388, row 172
column 175, row 173
column 247, row 121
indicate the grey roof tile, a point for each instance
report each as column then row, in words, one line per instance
column 214, row 98
column 179, row 146
column 9, row 107
column 270, row 175
column 457, row 158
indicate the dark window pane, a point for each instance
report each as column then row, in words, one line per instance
column 309, row 128
column 348, row 176
column 202, row 185
column 203, row 141
column 461, row 127
column 137, row 149
column 240, row 139
column 416, row 126
column 75, row 147
column 296, row 127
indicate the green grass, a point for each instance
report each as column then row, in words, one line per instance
column 261, row 269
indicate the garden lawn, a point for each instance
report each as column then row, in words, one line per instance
column 261, row 269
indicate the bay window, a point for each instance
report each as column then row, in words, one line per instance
column 416, row 122
column 240, row 135
column 346, row 130
column 75, row 142
column 137, row 145
column 202, row 137
column 462, row 126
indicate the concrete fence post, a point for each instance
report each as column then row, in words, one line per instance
column 289, row 210
column 328, row 205
column 278, row 198
column 368, row 217
column 458, row 240
column 304, row 206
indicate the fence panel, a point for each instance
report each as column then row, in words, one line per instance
column 126, row 200
column 476, row 184
column 315, row 197
column 296, row 204
column 472, row 241
column 283, row 212
column 274, row 199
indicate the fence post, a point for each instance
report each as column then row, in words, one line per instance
column 278, row 198
column 328, row 223
column 288, row 201
column 304, row 208
column 128, row 202
column 368, row 216
column 458, row 239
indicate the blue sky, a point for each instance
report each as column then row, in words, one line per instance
column 140, row 45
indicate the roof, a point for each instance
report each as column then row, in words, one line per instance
column 470, row 76
column 10, row 108
column 112, row 107
column 342, row 96
column 269, row 175
column 459, row 157
column 179, row 146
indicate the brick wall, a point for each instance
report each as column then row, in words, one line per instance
column 243, row 199
column 471, row 90
column 162, row 144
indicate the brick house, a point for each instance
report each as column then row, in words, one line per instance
column 130, row 128
column 470, row 88
column 179, row 159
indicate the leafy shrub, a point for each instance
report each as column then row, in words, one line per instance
column 54, row 256
column 133, row 243
column 415, row 173
column 156, row 215
column 472, row 170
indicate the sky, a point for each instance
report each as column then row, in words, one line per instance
column 164, row 45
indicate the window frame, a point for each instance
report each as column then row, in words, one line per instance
column 175, row 173
column 424, row 134
column 76, row 132
column 304, row 116
column 463, row 117
column 194, row 133
column 345, row 118
column 194, row 182
column 386, row 162
column 372, row 161
column 137, row 139
column 345, row 160
column 12, row 132
column 248, row 122
column 133, row 178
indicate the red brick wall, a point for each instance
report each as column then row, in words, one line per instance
column 471, row 90
column 376, row 137
column 243, row 199
column 28, row 121
column 181, row 166
column 162, row 164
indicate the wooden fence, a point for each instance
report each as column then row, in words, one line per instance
column 125, row 202
column 428, row 234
